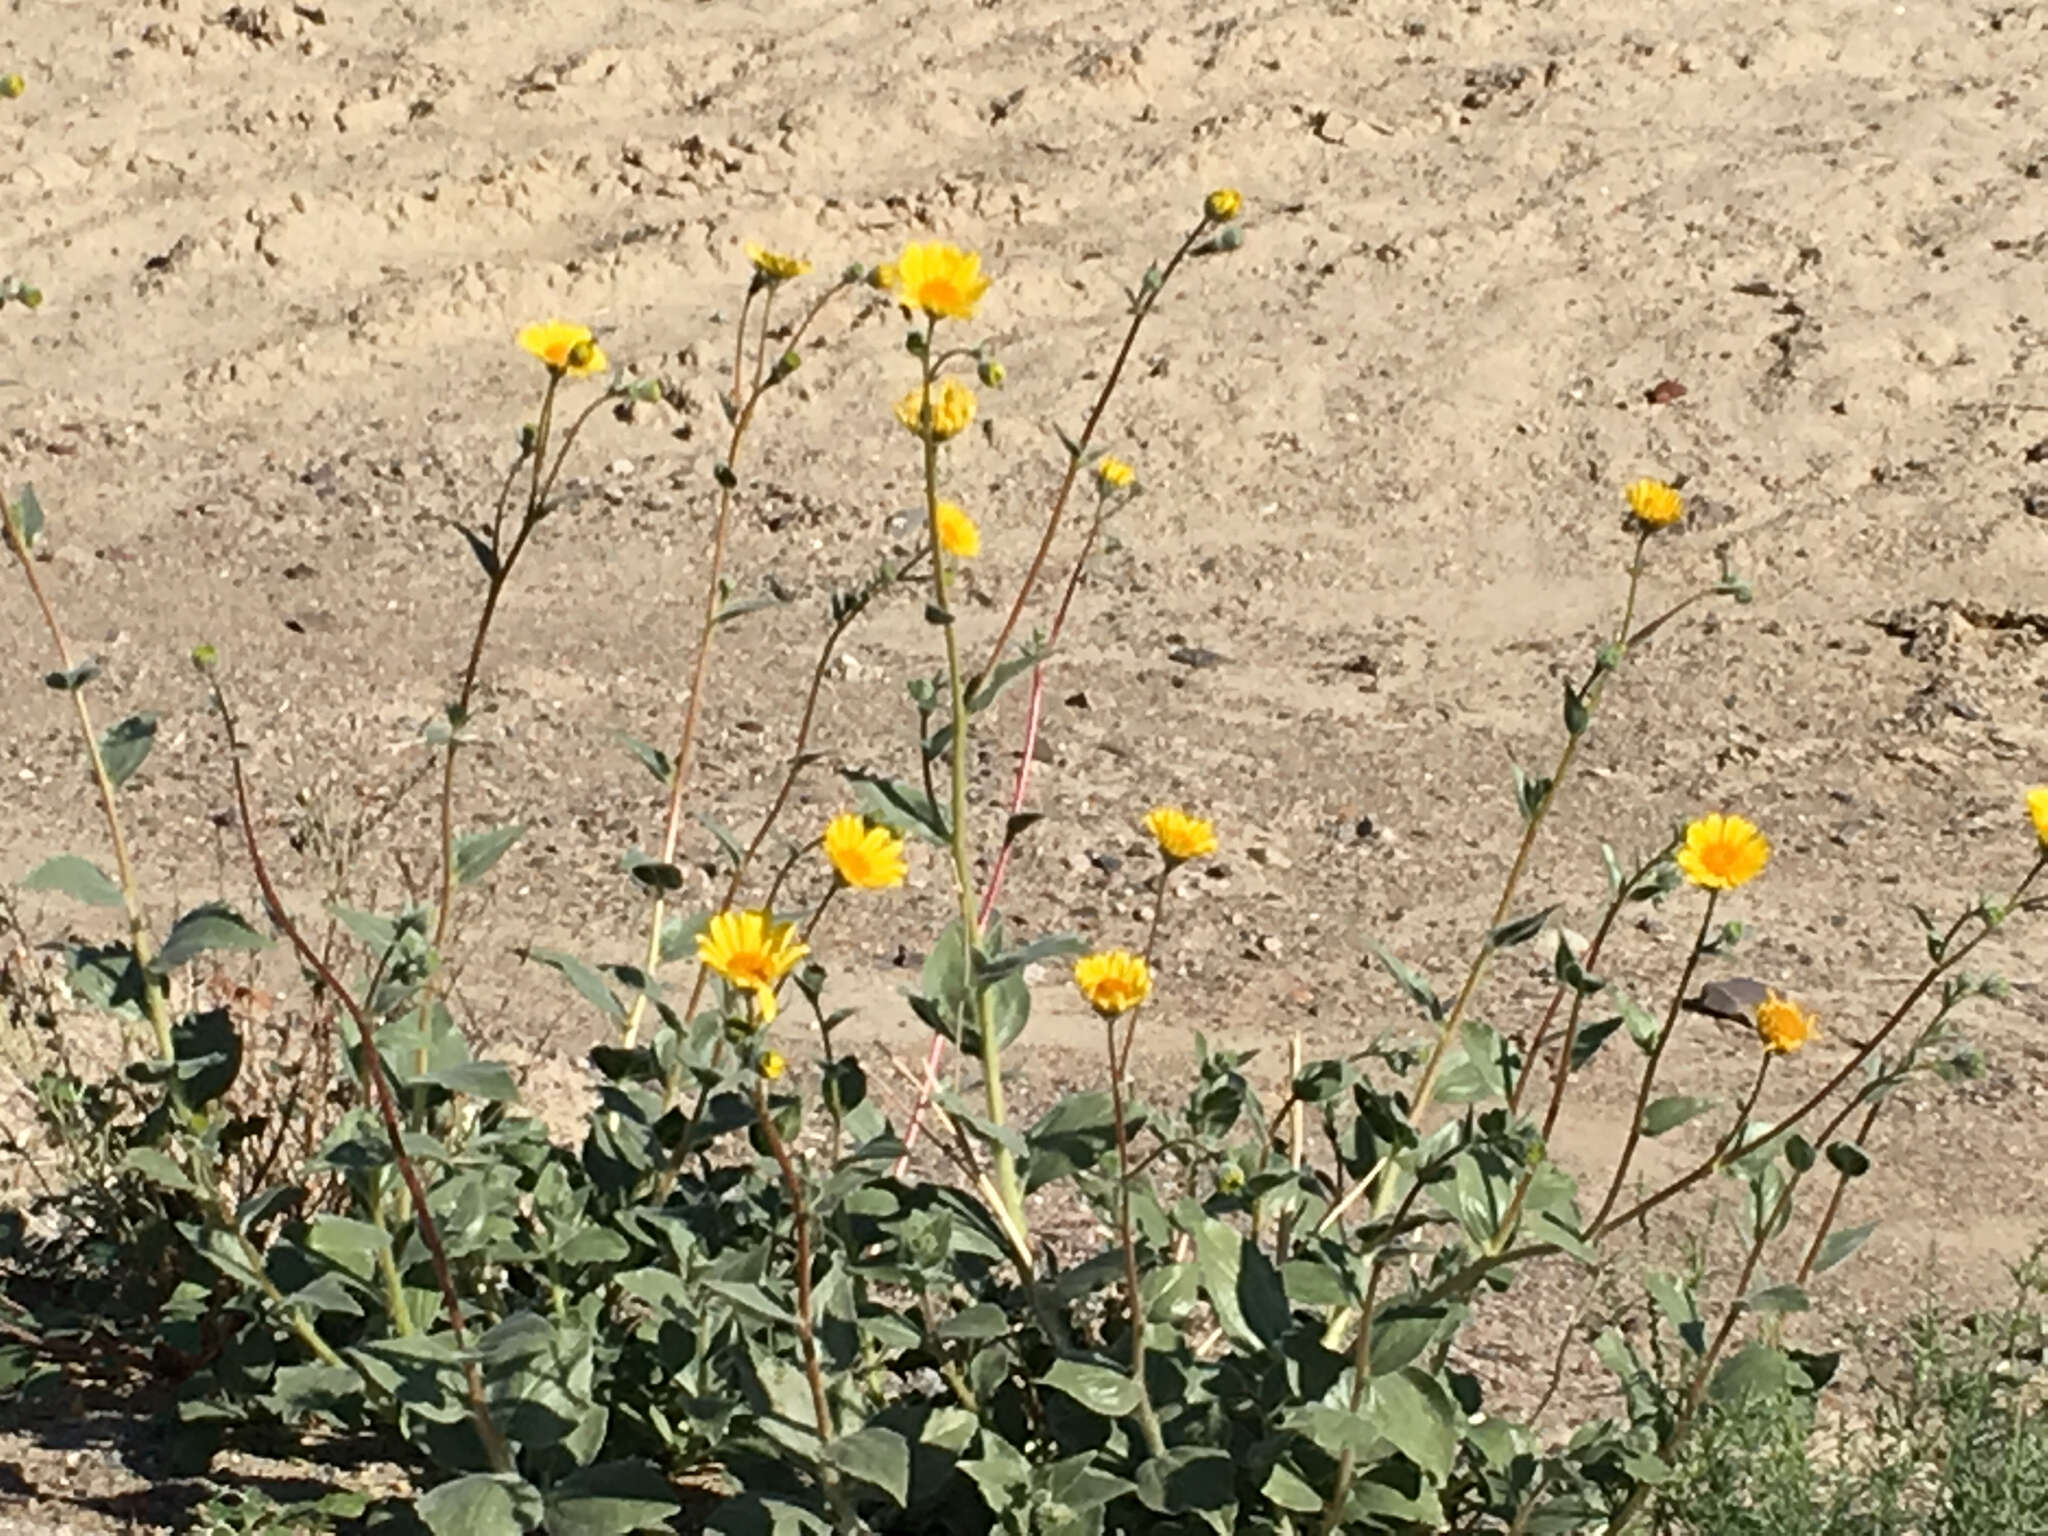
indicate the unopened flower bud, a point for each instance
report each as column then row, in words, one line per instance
column 1223, row 205
column 529, row 436
column 12, row 85
column 204, row 657
column 581, row 354
column 785, row 365
column 773, row 1065
column 30, row 296
column 914, row 343
column 992, row 373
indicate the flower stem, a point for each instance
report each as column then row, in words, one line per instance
column 1635, row 1124
column 742, row 413
column 1148, row 1418
column 155, row 1004
column 376, row 1087
column 1006, row 1181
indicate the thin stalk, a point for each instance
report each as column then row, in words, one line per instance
column 376, row 1087
column 693, row 711
column 1635, row 1125
column 1952, row 956
column 1148, row 1418
column 1007, row 1183
column 806, row 1335
column 155, row 1004
column 1425, row 1088
column 1827, row 1219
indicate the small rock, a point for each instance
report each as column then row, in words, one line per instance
column 1196, row 656
column 1270, row 858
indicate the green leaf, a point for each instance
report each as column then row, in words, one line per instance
column 1672, row 1111
column 1840, row 1245
column 213, row 926
column 985, row 691
column 26, row 514
column 612, row 1498
column 490, row 1080
column 653, row 759
column 1053, row 946
column 476, row 852
column 588, row 983
column 1519, row 930
column 1778, row 1298
column 1849, row 1160
column 1097, row 1388
column 729, row 844
column 78, row 878
column 1755, row 1370
column 898, row 805
column 482, row 1505
column 352, row 1244
column 1072, row 1136
column 985, row 1320
column 1412, row 983
column 1401, row 1331
column 1576, row 716
column 124, row 744
column 1418, row 1417
column 1291, row 1491
column 878, row 1457
column 157, row 1167
column 1240, row 1282
column 74, row 679
column 1189, row 1478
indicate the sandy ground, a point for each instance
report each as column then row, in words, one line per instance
column 285, row 249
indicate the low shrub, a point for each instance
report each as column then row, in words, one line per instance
column 735, row 1284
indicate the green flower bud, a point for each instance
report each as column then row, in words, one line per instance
column 205, row 657
column 12, row 85
column 992, row 373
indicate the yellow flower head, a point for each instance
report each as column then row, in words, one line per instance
column 1114, row 474
column 940, row 279
column 771, row 1065
column 1223, row 205
column 1180, row 836
column 957, row 534
column 1653, row 503
column 883, row 276
column 753, row 952
column 865, row 856
column 2037, row 813
column 774, row 266
column 1723, row 852
column 565, row 348
column 1782, row 1025
column 1114, row 981
column 952, row 410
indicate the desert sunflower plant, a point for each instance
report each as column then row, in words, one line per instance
column 800, row 1288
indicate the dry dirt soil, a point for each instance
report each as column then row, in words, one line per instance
column 1499, row 259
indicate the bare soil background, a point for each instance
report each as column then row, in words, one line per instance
column 285, row 249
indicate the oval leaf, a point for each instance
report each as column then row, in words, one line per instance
column 125, row 744
column 476, row 852
column 1668, row 1114
column 1095, row 1387
column 213, row 926
column 80, row 879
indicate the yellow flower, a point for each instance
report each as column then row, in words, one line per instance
column 940, row 279
column 1180, row 836
column 958, row 535
column 865, row 856
column 1223, row 205
column 1114, row 981
column 2037, row 813
column 1653, row 503
column 883, row 276
column 772, row 1065
column 1722, row 852
column 1782, row 1025
column 774, row 266
column 952, row 410
column 1114, row 474
column 753, row 952
column 565, row 348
